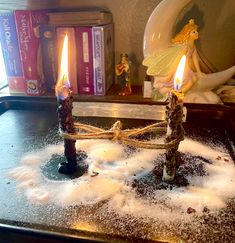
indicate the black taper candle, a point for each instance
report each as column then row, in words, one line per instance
column 74, row 158
column 67, row 125
column 175, row 131
column 65, row 106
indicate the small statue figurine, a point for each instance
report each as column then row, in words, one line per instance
column 197, row 86
column 122, row 71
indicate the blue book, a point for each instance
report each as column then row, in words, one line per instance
column 11, row 53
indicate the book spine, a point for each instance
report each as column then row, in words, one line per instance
column 49, row 56
column 27, row 26
column 72, row 64
column 103, row 58
column 99, row 78
column 11, row 53
column 108, row 43
column 85, row 60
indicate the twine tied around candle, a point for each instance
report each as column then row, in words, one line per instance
column 126, row 136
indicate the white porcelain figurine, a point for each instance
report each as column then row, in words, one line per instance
column 162, row 63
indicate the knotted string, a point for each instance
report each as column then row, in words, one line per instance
column 127, row 136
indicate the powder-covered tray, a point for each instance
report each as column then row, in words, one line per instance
column 122, row 202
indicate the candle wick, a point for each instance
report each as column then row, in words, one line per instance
column 64, row 77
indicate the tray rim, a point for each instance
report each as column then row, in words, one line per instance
column 6, row 103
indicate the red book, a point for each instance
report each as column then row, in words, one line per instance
column 27, row 26
column 72, row 68
column 85, row 60
column 16, row 84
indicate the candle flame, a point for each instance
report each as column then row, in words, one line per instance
column 64, row 57
column 178, row 80
column 63, row 85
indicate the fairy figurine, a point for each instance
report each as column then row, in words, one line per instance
column 197, row 86
column 122, row 71
column 163, row 63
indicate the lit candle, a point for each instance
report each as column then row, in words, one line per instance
column 65, row 106
column 62, row 88
column 174, row 117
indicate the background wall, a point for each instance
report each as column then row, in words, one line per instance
column 216, row 20
column 130, row 18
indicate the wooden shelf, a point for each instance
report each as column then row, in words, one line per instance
column 112, row 96
column 135, row 98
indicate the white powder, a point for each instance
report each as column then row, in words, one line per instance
column 106, row 151
column 196, row 148
column 38, row 195
column 32, row 159
column 110, row 170
column 87, row 191
column 23, row 173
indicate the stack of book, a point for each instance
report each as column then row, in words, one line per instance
column 32, row 44
column 81, row 18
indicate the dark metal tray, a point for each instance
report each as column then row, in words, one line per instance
column 28, row 123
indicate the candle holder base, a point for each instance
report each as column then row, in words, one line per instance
column 152, row 181
column 69, row 168
column 51, row 167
